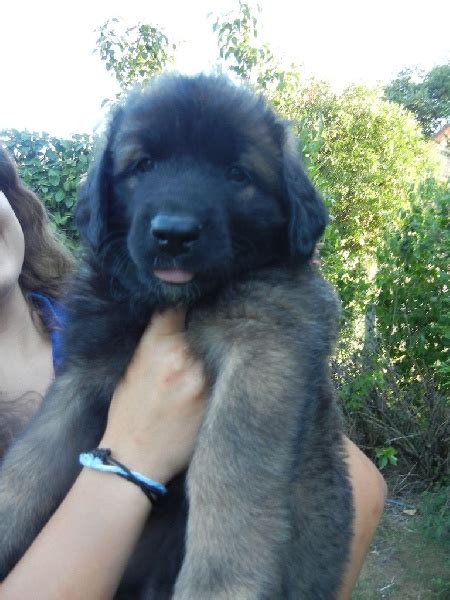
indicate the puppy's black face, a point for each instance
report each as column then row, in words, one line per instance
column 194, row 187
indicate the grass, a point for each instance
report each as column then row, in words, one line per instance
column 404, row 563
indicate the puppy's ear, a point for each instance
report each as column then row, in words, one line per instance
column 91, row 211
column 306, row 210
column 94, row 196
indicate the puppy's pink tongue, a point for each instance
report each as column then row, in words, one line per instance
column 174, row 275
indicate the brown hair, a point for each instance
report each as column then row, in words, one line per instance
column 47, row 263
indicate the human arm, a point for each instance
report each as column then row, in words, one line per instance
column 152, row 424
column 369, row 494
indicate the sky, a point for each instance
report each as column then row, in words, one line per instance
column 52, row 81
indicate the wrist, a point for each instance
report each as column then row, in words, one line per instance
column 138, row 458
column 117, row 490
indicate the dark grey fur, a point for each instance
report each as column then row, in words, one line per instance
column 270, row 507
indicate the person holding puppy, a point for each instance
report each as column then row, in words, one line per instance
column 152, row 423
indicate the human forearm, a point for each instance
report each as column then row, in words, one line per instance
column 152, row 424
column 87, row 543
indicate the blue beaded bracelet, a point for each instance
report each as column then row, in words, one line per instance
column 100, row 459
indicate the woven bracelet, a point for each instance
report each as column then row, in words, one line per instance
column 100, row 459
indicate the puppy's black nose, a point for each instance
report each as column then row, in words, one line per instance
column 175, row 235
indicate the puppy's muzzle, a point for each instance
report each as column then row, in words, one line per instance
column 175, row 235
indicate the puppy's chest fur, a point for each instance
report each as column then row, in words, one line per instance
column 262, row 310
column 289, row 308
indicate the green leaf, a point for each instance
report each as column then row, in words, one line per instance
column 59, row 196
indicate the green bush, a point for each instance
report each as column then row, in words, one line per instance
column 52, row 167
column 369, row 154
column 365, row 156
column 426, row 95
column 396, row 422
column 394, row 393
column 133, row 54
column 434, row 508
column 413, row 303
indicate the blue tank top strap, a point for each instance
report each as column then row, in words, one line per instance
column 53, row 316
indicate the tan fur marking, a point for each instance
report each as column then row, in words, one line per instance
column 247, row 194
column 125, row 154
column 263, row 156
column 262, row 165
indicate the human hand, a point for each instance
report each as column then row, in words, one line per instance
column 157, row 408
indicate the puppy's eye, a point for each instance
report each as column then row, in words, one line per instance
column 144, row 165
column 237, row 174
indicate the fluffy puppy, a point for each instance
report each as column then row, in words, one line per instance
column 198, row 197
